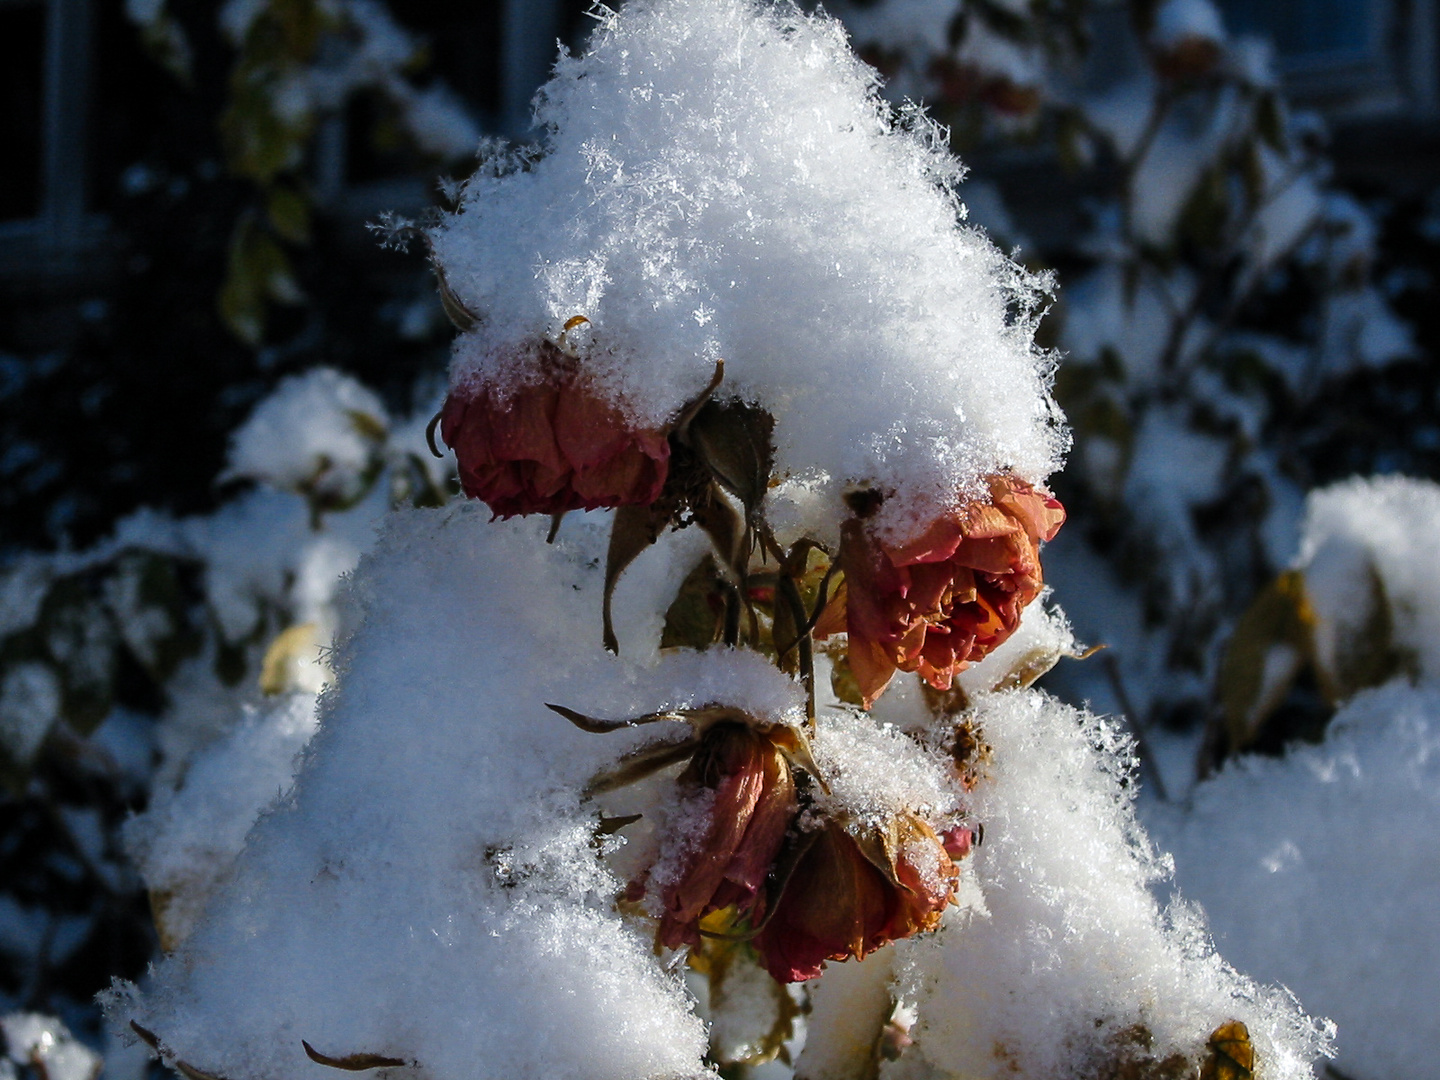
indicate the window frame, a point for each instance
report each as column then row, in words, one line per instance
column 62, row 238
column 1393, row 75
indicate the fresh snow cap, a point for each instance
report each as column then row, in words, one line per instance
column 875, row 771
column 1369, row 541
column 720, row 181
column 1184, row 20
column 317, row 430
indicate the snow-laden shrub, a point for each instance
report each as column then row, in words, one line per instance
column 558, row 766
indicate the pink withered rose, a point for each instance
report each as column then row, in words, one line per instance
column 942, row 601
column 551, row 444
column 749, row 801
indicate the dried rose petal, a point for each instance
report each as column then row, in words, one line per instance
column 847, row 896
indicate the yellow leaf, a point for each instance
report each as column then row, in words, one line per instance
column 842, row 679
column 367, row 424
column 280, row 670
column 1229, row 1054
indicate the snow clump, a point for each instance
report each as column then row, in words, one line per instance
column 184, row 845
column 720, row 180
column 429, row 891
column 317, row 431
column 1369, row 559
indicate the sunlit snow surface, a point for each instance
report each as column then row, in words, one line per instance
column 430, row 890
column 370, row 912
column 1070, row 947
column 1321, row 870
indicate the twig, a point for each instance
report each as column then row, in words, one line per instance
column 1148, row 763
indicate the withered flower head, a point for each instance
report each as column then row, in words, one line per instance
column 551, row 445
column 744, row 765
column 943, row 601
column 853, row 889
column 753, row 805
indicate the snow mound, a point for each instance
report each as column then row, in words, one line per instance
column 1071, row 964
column 430, row 890
column 1330, row 868
column 185, row 843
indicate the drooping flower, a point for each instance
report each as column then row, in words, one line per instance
column 852, row 890
column 552, row 444
column 752, row 801
column 941, row 602
column 737, row 797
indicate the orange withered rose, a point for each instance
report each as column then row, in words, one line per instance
column 944, row 600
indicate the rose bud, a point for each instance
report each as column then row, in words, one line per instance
column 749, row 803
column 552, row 444
column 941, row 602
column 852, row 891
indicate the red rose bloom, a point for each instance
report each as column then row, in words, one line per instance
column 943, row 601
column 551, row 445
column 849, row 895
column 753, row 806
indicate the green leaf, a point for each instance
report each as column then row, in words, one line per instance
column 635, row 528
column 842, row 679
column 166, row 42
column 1370, row 655
column 259, row 143
column 696, row 615
column 258, row 270
column 1252, row 169
column 82, row 642
column 1270, row 121
column 1203, row 218
column 289, row 214
column 150, row 604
